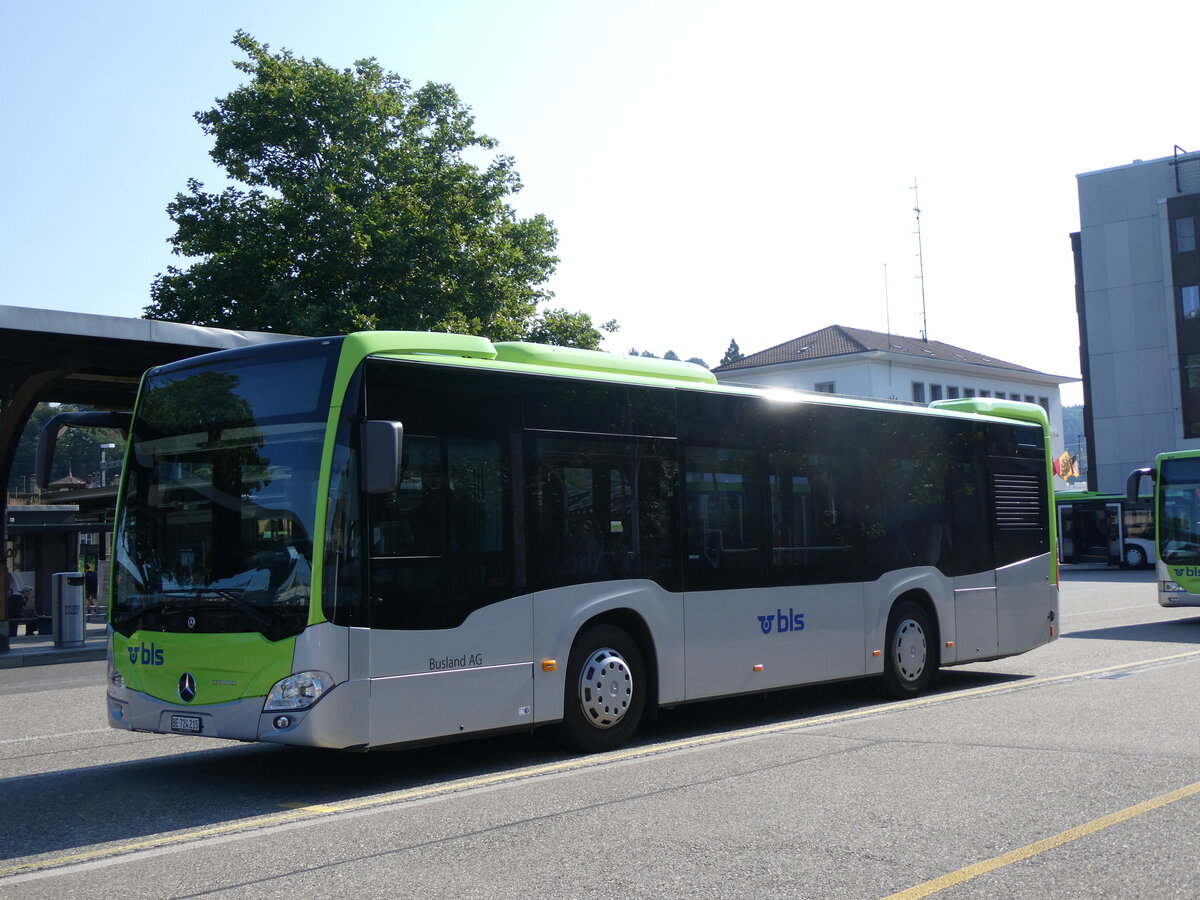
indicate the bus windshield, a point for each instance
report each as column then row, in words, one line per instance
column 1179, row 512
column 219, row 495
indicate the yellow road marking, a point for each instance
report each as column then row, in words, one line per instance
column 299, row 811
column 1073, row 834
column 310, row 807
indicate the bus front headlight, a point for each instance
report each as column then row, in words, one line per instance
column 298, row 691
column 116, row 684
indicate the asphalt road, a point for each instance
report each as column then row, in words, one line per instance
column 1071, row 771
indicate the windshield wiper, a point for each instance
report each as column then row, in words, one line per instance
column 159, row 606
column 233, row 597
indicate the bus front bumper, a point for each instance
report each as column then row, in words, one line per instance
column 1171, row 593
column 336, row 721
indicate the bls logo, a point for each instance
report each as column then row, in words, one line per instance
column 781, row 621
column 147, row 656
column 1188, row 572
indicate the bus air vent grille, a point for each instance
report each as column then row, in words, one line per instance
column 1018, row 502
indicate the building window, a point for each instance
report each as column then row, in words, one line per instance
column 1014, row 396
column 1191, row 394
column 1189, row 301
column 1029, row 398
column 951, row 393
column 918, row 392
column 1185, row 234
column 1044, row 403
column 985, row 393
column 968, row 392
column 825, row 387
column 935, row 392
column 1191, row 370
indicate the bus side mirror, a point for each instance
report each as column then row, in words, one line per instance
column 48, row 438
column 1133, row 484
column 381, row 446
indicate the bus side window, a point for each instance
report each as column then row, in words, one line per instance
column 410, row 521
column 603, row 510
column 726, row 542
column 440, row 544
column 813, row 531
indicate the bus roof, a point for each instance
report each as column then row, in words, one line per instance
column 516, row 356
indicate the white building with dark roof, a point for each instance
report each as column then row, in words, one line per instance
column 855, row 362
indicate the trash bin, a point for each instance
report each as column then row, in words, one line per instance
column 66, row 590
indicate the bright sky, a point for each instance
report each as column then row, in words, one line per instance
column 715, row 170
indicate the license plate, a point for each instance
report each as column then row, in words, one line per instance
column 186, row 724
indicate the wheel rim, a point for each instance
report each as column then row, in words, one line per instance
column 910, row 649
column 1133, row 557
column 605, row 688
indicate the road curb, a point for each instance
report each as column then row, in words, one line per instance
column 15, row 660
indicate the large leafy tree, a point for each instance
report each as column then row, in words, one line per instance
column 356, row 207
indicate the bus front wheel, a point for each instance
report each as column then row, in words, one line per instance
column 606, row 689
column 909, row 656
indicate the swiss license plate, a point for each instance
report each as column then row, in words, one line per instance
column 186, row 724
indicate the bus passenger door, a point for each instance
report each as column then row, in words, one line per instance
column 1067, row 539
column 1115, row 532
column 773, row 585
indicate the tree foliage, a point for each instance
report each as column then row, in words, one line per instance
column 732, row 353
column 358, row 208
column 670, row 354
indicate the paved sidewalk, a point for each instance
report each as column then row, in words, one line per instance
column 40, row 649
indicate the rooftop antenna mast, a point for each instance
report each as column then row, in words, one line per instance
column 920, row 262
column 887, row 304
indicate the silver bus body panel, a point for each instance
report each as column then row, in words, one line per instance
column 439, row 682
column 975, row 631
column 793, row 635
column 337, row 721
column 1026, row 604
column 324, row 648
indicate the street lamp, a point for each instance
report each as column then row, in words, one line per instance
column 103, row 461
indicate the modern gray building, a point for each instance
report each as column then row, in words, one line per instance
column 1137, row 293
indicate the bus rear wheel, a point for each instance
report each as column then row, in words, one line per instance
column 1135, row 557
column 909, row 660
column 606, row 689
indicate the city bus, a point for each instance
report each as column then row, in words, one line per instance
column 1176, row 480
column 389, row 538
column 1105, row 528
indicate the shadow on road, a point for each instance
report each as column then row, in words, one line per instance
column 126, row 802
column 1178, row 631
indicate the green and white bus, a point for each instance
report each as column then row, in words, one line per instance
column 384, row 538
column 1176, row 477
column 1105, row 528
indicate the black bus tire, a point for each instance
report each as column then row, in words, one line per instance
column 606, row 689
column 910, row 656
